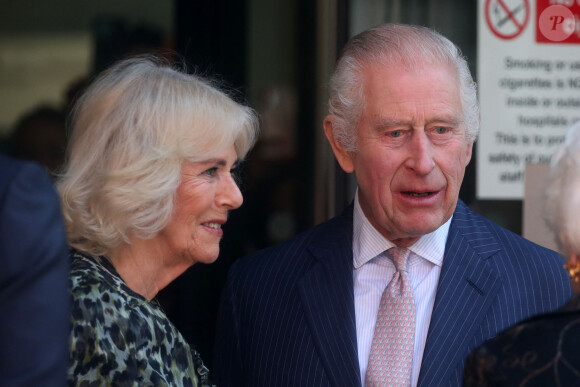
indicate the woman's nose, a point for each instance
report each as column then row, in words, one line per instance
column 230, row 195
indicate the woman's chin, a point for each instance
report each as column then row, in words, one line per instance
column 205, row 258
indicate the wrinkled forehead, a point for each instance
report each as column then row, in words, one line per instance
column 401, row 81
column 400, row 76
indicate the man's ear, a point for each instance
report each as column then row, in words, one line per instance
column 468, row 153
column 344, row 157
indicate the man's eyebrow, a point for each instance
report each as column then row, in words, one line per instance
column 453, row 121
column 389, row 123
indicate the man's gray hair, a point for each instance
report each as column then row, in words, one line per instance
column 394, row 44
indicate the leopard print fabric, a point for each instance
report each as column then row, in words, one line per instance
column 119, row 338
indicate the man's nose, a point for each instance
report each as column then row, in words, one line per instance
column 420, row 154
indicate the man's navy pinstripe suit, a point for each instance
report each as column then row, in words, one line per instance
column 287, row 314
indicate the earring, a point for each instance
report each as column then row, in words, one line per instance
column 573, row 271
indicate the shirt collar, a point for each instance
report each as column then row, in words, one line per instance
column 368, row 242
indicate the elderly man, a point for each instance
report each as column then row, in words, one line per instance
column 399, row 288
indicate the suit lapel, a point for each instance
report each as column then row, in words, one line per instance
column 466, row 288
column 328, row 299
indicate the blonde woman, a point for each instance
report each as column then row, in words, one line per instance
column 147, row 187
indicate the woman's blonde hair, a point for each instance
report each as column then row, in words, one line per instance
column 131, row 131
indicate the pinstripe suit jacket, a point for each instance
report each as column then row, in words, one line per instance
column 287, row 315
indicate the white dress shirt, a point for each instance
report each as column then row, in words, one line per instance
column 372, row 271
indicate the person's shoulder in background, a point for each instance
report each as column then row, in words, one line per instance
column 541, row 351
column 34, row 287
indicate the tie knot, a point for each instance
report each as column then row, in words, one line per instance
column 399, row 257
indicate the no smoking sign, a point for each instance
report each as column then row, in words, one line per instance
column 507, row 18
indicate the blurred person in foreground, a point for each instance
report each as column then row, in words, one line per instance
column 403, row 116
column 147, row 187
column 34, row 300
column 543, row 350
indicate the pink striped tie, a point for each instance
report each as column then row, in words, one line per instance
column 391, row 354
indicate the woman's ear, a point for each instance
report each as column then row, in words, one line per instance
column 573, row 267
column 573, row 260
column 344, row 157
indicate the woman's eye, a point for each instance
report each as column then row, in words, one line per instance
column 211, row 172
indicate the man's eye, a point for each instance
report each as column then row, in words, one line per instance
column 211, row 172
column 441, row 130
column 396, row 133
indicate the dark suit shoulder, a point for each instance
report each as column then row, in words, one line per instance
column 27, row 172
column 492, row 237
column 287, row 313
column 336, row 232
column 33, row 251
column 517, row 260
column 531, row 274
column 10, row 166
column 29, row 211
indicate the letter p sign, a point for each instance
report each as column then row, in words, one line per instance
column 556, row 20
column 554, row 23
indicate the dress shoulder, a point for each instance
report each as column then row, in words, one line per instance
column 119, row 337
